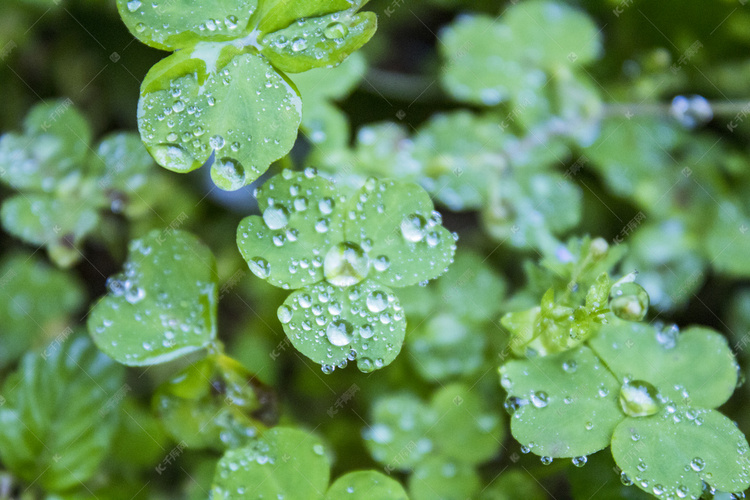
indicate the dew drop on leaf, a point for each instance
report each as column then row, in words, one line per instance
column 276, row 217
column 285, row 314
column 639, row 398
column 346, row 264
column 628, row 301
column 335, row 30
column 413, row 227
column 339, row 332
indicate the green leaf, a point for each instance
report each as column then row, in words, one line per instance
column 215, row 403
column 125, row 169
column 512, row 484
column 60, row 224
column 466, row 430
column 163, row 305
column 274, row 15
column 440, row 479
column 693, row 367
column 217, row 100
column 53, row 146
column 727, row 242
column 396, row 222
column 332, row 325
column 479, row 56
column 366, row 485
column 318, row 42
column 323, row 123
column 176, row 24
column 444, row 347
column 398, row 436
column 457, row 151
column 140, row 438
column 566, row 405
column 532, row 207
column 284, row 462
column 471, row 288
column 700, row 444
column 37, row 299
column 301, row 221
column 553, row 34
column 60, row 414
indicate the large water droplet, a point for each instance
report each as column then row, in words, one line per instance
column 339, row 332
column 413, row 227
column 628, row 301
column 299, row 44
column 260, row 267
column 276, row 217
column 539, row 399
column 228, row 174
column 134, row 5
column 285, row 314
column 377, row 301
column 335, row 30
column 346, row 264
column 638, row 398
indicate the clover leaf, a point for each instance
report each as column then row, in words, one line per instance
column 233, row 58
column 694, row 366
column 60, row 414
column 437, row 477
column 293, row 464
column 366, row 485
column 343, row 255
column 53, row 146
column 63, row 184
column 702, row 445
column 457, row 426
column 563, row 405
column 489, row 61
column 164, row 303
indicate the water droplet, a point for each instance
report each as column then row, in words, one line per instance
column 228, row 174
column 260, row 267
column 539, row 399
column 134, row 5
column 285, row 314
column 545, row 460
column 580, row 461
column 628, row 301
column 697, row 464
column 346, row 264
column 413, row 227
column 569, row 366
column 381, row 263
column 276, row 217
column 339, row 332
column 639, row 398
column 335, row 30
column 377, row 301
column 217, row 142
column 299, row 44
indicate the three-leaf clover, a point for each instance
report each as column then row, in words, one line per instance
column 64, row 184
column 293, row 464
column 648, row 392
column 529, row 58
column 224, row 93
column 342, row 256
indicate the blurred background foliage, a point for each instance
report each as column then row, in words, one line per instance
column 625, row 163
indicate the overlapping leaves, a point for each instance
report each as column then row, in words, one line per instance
column 63, row 185
column 292, row 464
column 574, row 403
column 224, row 93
